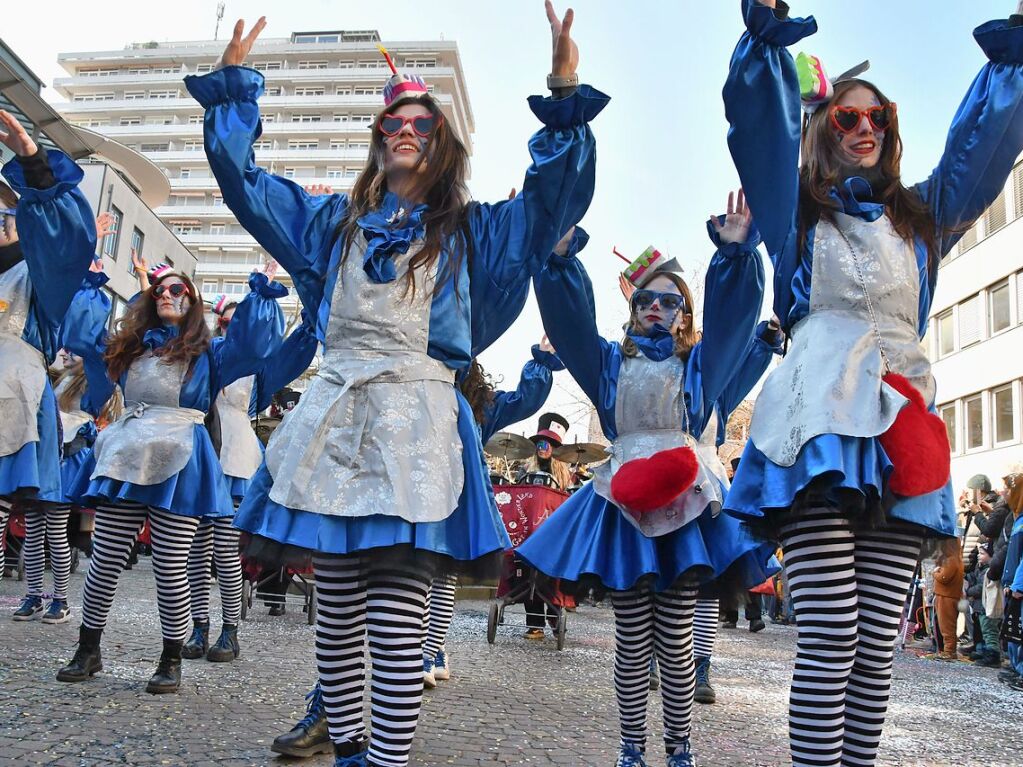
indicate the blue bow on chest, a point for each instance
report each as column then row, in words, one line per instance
column 390, row 229
column 854, row 197
column 657, row 346
column 157, row 337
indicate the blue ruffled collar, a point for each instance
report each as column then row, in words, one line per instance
column 157, row 337
column 390, row 229
column 657, row 346
column 854, row 197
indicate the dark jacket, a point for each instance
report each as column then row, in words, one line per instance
column 1001, row 543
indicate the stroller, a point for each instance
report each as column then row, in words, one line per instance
column 256, row 577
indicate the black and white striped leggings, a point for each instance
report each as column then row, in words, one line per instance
column 216, row 539
column 648, row 623
column 46, row 527
column 848, row 588
column 440, row 609
column 359, row 600
column 117, row 529
column 705, row 627
column 5, row 514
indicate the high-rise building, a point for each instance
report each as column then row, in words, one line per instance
column 322, row 92
column 975, row 340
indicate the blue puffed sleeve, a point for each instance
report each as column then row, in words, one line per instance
column 757, row 357
column 58, row 233
column 763, row 109
column 512, row 239
column 84, row 332
column 985, row 138
column 565, row 296
column 294, row 227
column 295, row 356
column 254, row 335
column 733, row 295
column 534, row 387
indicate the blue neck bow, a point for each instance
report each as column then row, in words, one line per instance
column 390, row 229
column 657, row 346
column 854, row 198
column 157, row 337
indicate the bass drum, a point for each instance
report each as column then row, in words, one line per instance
column 499, row 479
column 541, row 478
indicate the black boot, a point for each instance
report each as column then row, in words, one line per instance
column 168, row 673
column 310, row 735
column 227, row 648
column 704, row 691
column 87, row 660
column 198, row 643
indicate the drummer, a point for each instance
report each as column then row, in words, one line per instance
column 550, row 434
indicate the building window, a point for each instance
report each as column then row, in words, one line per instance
column 235, row 288
column 155, row 147
column 166, row 70
column 343, row 90
column 289, row 173
column 309, row 91
column 218, row 201
column 138, row 70
column 269, row 118
column 948, row 415
column 335, row 172
column 303, row 144
column 366, row 120
column 268, row 66
column 185, row 173
column 186, row 228
column 263, row 145
column 160, row 121
column 134, row 95
column 999, row 308
column 105, row 72
column 83, row 97
column 193, row 146
column 340, row 118
column 195, row 119
column 969, row 322
column 369, row 64
column 946, row 334
column 276, row 91
column 138, row 240
column 1003, row 415
column 210, row 287
column 358, row 145
column 218, row 228
column 312, row 64
column 172, row 94
column 973, row 408
column 969, row 239
column 306, row 118
column 130, row 121
column 994, row 216
column 368, row 91
column 203, row 68
column 351, row 172
column 420, row 63
column 112, row 241
column 337, row 143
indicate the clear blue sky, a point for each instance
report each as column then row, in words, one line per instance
column 663, row 165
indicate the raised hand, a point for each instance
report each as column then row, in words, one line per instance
column 96, row 265
column 104, row 225
column 238, row 49
column 270, row 270
column 627, row 288
column 318, row 190
column 14, row 137
column 139, row 262
column 545, row 345
column 737, row 220
column 561, row 248
column 565, row 55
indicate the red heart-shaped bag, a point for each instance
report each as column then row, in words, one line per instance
column 647, row 484
column 916, row 444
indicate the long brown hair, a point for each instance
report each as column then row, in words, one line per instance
column 441, row 173
column 70, row 397
column 820, row 172
column 8, row 199
column 478, row 390
column 685, row 337
column 125, row 345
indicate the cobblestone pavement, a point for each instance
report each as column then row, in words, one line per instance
column 516, row 703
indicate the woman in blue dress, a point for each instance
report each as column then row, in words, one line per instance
column 655, row 394
column 47, row 241
column 407, row 278
column 157, row 462
column 856, row 252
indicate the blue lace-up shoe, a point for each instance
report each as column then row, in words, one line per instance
column 682, row 757
column 630, row 755
column 57, row 612
column 310, row 735
column 29, row 610
column 359, row 760
column 429, row 680
column 441, row 666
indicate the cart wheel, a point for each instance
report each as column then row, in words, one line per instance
column 562, row 626
column 492, row 619
column 74, row 559
column 246, row 598
column 21, row 563
column 500, row 615
column 311, row 609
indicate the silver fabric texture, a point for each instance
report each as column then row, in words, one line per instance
column 23, row 371
column 651, row 416
column 240, row 453
column 153, row 440
column 830, row 380
column 376, row 432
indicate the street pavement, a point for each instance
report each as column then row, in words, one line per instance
column 514, row 703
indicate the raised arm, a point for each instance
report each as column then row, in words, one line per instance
column 254, row 335
column 55, row 223
column 985, row 138
column 84, row 332
column 733, row 294
column 295, row 356
column 533, row 390
column 565, row 296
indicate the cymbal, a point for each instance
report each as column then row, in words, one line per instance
column 510, row 447
column 581, row 452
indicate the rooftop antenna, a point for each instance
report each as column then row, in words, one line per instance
column 220, row 16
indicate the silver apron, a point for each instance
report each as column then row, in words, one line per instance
column 376, row 432
column 650, row 414
column 154, row 438
column 23, row 377
column 74, row 418
column 830, row 380
column 240, row 455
